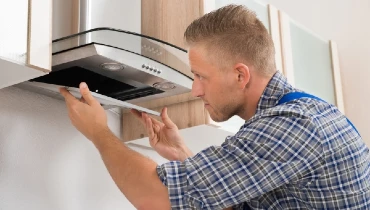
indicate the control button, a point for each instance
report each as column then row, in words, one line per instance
column 159, row 71
column 147, row 67
column 143, row 66
column 151, row 68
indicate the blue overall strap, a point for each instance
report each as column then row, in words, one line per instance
column 296, row 95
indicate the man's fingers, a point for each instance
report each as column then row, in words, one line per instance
column 149, row 127
column 136, row 113
column 156, row 122
column 140, row 115
column 86, row 94
column 156, row 127
column 67, row 95
column 166, row 120
column 153, row 141
column 83, row 100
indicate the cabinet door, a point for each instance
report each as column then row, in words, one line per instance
column 311, row 62
column 25, row 41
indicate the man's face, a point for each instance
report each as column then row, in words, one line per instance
column 215, row 86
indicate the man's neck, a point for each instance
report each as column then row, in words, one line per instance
column 252, row 97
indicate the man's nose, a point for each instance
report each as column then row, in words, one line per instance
column 196, row 90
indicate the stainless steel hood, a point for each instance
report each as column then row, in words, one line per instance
column 120, row 67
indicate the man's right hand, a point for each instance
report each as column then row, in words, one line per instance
column 164, row 137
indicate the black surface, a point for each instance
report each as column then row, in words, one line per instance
column 72, row 77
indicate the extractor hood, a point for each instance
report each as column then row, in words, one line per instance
column 119, row 66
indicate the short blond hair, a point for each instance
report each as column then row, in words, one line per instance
column 235, row 33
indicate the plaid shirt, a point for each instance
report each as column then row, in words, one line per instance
column 299, row 155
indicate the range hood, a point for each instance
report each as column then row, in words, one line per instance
column 120, row 67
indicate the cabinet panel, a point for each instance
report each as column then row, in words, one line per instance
column 152, row 18
column 14, row 28
column 40, row 35
column 12, row 73
column 311, row 62
column 25, row 41
column 177, row 15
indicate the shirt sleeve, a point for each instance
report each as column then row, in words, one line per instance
column 263, row 156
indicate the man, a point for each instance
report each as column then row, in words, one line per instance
column 293, row 152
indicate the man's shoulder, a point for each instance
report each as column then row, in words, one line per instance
column 295, row 116
column 295, row 110
column 305, row 108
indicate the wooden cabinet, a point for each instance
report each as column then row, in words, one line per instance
column 25, row 41
column 168, row 19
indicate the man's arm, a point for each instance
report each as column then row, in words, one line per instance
column 134, row 174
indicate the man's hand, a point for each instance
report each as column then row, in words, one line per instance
column 86, row 114
column 164, row 137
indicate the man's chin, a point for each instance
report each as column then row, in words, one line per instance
column 218, row 119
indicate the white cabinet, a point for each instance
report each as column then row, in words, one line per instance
column 25, row 41
column 311, row 62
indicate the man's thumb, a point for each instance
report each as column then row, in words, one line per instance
column 85, row 92
column 166, row 120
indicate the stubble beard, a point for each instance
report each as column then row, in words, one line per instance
column 221, row 114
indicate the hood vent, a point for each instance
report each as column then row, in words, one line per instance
column 119, row 66
column 116, row 64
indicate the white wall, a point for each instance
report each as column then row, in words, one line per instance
column 45, row 163
column 346, row 22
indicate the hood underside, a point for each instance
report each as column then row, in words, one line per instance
column 119, row 67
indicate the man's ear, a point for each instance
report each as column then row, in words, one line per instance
column 242, row 72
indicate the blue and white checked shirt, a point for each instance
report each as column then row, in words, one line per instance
column 299, row 155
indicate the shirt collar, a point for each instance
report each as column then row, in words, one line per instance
column 277, row 87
